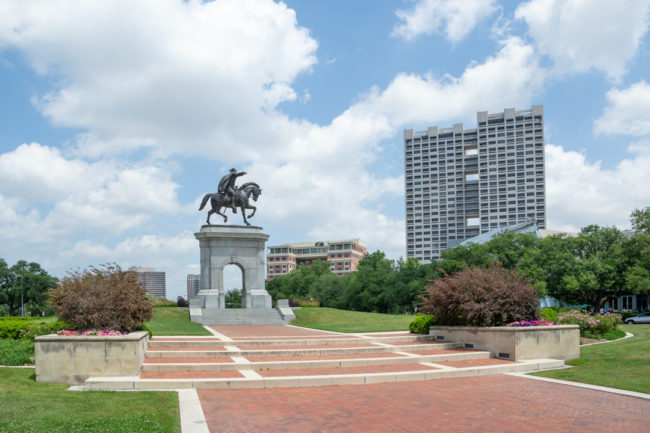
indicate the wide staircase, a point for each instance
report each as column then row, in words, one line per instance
column 307, row 360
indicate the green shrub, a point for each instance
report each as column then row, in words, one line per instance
column 160, row 302
column 16, row 352
column 627, row 314
column 421, row 324
column 102, row 298
column 28, row 329
column 549, row 315
column 481, row 296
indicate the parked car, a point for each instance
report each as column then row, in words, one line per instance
column 640, row 318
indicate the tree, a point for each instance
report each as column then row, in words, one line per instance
column 598, row 269
column 298, row 283
column 637, row 276
column 233, row 298
column 26, row 280
column 641, row 220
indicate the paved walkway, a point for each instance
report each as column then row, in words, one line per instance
column 488, row 404
column 497, row 403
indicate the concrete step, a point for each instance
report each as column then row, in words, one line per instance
column 321, row 341
column 251, row 379
column 314, row 364
column 348, row 349
column 237, row 316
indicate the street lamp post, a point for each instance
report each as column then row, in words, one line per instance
column 22, row 290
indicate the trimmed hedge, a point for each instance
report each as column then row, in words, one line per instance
column 28, row 329
column 421, row 324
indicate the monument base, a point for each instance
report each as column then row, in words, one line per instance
column 242, row 246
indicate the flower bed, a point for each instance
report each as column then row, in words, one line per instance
column 531, row 323
column 72, row 358
column 96, row 332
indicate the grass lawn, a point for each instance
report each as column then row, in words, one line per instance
column 621, row 364
column 174, row 321
column 330, row 319
column 28, row 406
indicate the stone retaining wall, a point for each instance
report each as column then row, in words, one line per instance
column 516, row 343
column 73, row 359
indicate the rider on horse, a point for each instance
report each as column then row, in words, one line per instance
column 228, row 188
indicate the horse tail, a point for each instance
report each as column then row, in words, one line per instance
column 205, row 200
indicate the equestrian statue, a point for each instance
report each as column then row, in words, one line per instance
column 233, row 197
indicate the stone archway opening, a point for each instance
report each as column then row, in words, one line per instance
column 234, row 286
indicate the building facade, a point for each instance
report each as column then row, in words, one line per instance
column 343, row 256
column 193, row 285
column 463, row 182
column 154, row 282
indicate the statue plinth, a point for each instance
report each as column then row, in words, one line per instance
column 222, row 245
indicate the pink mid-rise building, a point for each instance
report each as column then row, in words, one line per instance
column 343, row 256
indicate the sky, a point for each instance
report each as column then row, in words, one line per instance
column 116, row 117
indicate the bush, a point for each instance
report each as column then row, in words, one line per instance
column 549, row 314
column 16, row 352
column 421, row 324
column 101, row 298
column 491, row 296
column 597, row 325
column 160, row 302
column 294, row 302
column 182, row 303
column 28, row 329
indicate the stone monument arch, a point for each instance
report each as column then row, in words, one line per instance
column 242, row 246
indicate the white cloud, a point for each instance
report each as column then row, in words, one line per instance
column 580, row 192
column 627, row 112
column 174, row 76
column 581, row 35
column 455, row 19
column 105, row 195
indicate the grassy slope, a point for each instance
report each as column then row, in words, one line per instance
column 330, row 319
column 28, row 406
column 173, row 321
column 622, row 364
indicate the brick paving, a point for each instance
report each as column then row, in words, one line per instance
column 438, row 351
column 181, row 360
column 483, row 404
column 182, row 348
column 344, row 370
column 255, row 331
column 260, row 358
column 305, row 346
column 475, row 362
column 190, row 374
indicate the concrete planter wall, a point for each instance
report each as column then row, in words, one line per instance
column 516, row 343
column 73, row 359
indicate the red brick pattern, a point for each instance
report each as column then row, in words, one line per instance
column 184, row 360
column 344, row 370
column 438, row 352
column 483, row 404
column 190, row 374
column 301, row 347
column 257, row 358
column 475, row 362
column 182, row 348
column 254, row 331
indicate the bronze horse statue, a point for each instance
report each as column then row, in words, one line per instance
column 240, row 199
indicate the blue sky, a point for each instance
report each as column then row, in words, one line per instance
column 117, row 116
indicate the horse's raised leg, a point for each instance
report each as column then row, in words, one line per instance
column 254, row 209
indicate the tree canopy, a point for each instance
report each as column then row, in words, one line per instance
column 29, row 280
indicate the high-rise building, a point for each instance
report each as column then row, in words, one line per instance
column 193, row 285
column 154, row 282
column 343, row 256
column 464, row 182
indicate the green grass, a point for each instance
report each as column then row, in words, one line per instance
column 174, row 321
column 621, row 364
column 28, row 406
column 330, row 319
column 16, row 352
